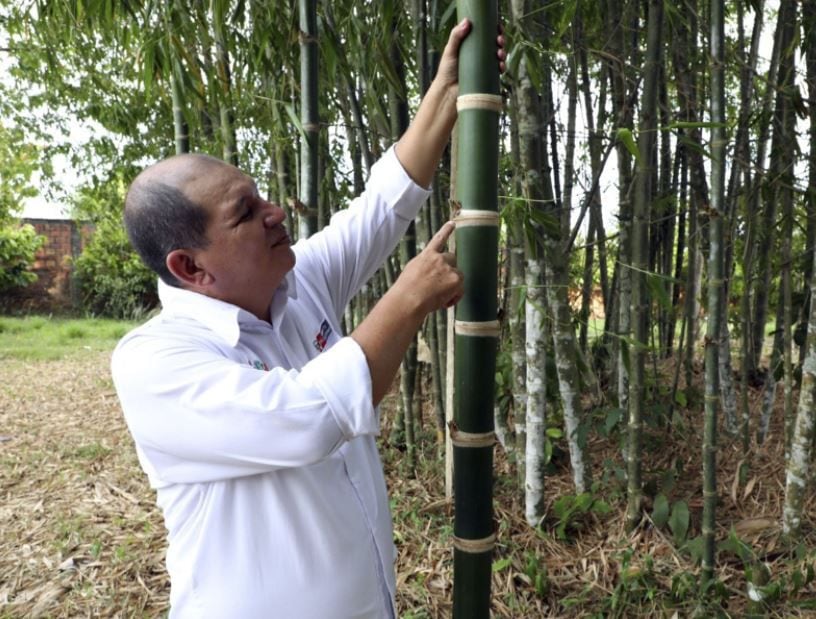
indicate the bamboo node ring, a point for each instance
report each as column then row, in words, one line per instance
column 487, row 328
column 480, row 101
column 470, row 439
column 305, row 38
column 475, row 546
column 473, row 217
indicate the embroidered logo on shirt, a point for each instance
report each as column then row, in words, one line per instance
column 259, row 365
column 322, row 338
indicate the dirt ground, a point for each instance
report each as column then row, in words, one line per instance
column 80, row 535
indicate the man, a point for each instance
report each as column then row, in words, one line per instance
column 253, row 417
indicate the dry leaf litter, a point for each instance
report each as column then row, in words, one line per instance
column 82, row 536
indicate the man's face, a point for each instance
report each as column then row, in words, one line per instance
column 249, row 251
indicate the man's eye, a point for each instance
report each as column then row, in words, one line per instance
column 246, row 216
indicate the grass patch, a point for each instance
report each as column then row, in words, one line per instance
column 36, row 338
column 92, row 451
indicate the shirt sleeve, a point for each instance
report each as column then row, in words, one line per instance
column 197, row 416
column 346, row 253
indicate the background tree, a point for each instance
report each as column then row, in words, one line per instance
column 638, row 265
column 715, row 284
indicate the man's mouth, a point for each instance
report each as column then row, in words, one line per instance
column 283, row 238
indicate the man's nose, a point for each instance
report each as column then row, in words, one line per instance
column 273, row 215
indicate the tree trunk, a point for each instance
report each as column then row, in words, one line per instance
column 622, row 19
column 477, row 329
column 786, row 179
column 596, row 234
column 309, row 139
column 566, row 364
column 431, row 210
column 398, row 106
column 715, row 287
column 686, row 65
column 736, row 187
column 181, row 130
column 640, row 256
column 809, row 28
column 556, row 278
column 517, row 313
column 229, row 141
column 536, row 413
column 779, row 176
column 769, row 388
column 797, row 471
column 517, row 301
column 782, row 49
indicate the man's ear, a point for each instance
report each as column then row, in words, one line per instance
column 183, row 265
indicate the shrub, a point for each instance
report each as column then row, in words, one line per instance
column 113, row 279
column 18, row 244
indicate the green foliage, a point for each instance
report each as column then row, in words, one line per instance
column 534, row 221
column 18, row 244
column 679, row 521
column 536, row 570
column 762, row 587
column 19, row 160
column 571, row 511
column 636, row 585
column 611, row 419
column 504, row 381
column 628, row 140
column 113, row 279
column 660, row 511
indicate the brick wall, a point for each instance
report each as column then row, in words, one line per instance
column 54, row 289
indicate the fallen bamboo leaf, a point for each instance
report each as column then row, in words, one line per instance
column 749, row 487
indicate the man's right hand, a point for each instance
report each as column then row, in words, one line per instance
column 431, row 279
column 429, row 282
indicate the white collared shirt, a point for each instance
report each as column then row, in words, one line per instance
column 259, row 438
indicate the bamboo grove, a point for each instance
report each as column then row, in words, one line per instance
column 655, row 200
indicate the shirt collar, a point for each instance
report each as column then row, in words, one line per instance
column 224, row 319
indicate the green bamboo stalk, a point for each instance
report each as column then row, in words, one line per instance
column 475, row 363
column 787, row 313
column 398, row 118
column 766, row 226
column 518, row 354
column 536, row 380
column 786, row 200
column 798, row 467
column 690, row 308
column 516, row 309
column 809, row 27
column 180, row 127
column 715, row 287
column 639, row 305
column 431, row 216
column 229, row 141
column 308, row 117
column 622, row 18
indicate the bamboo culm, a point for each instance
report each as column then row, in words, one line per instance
column 536, row 379
column 715, row 289
column 639, row 262
column 475, row 358
column 308, row 117
column 798, row 468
